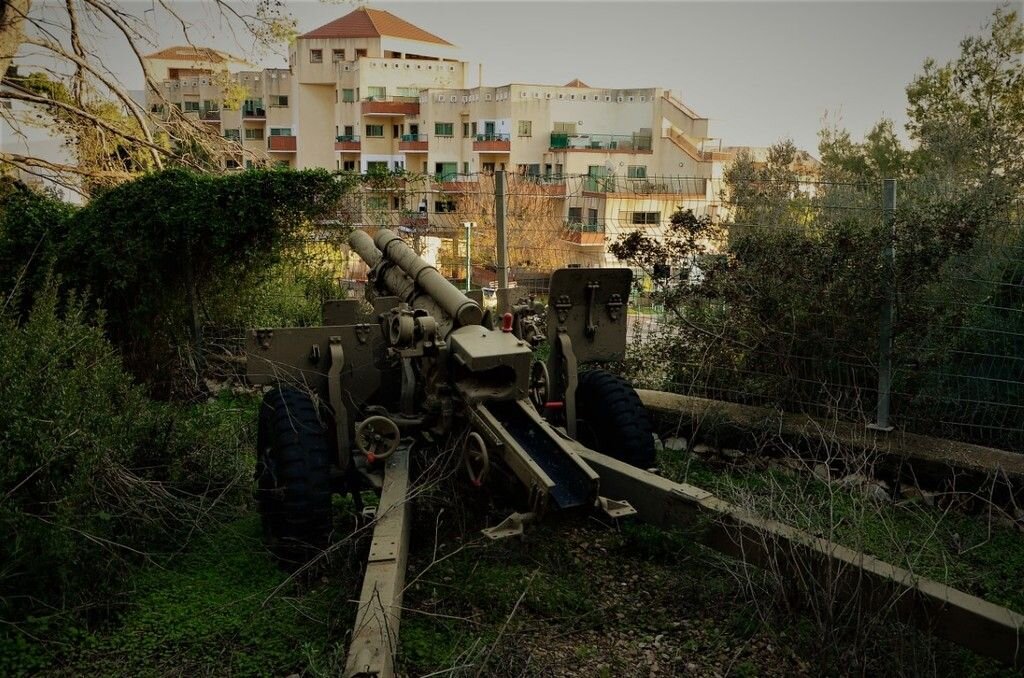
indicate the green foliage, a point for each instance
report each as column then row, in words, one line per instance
column 98, row 478
column 72, row 422
column 152, row 252
column 968, row 115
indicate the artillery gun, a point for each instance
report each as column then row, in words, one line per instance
column 346, row 403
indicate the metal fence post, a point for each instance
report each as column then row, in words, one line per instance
column 500, row 205
column 887, row 315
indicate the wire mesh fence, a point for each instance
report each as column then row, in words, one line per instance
column 764, row 293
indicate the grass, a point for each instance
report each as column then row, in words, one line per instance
column 573, row 597
column 223, row 608
column 968, row 552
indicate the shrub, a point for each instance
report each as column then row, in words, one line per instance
column 95, row 476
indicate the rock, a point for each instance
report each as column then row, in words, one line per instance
column 822, row 472
column 854, row 480
column 675, row 444
column 658, row 445
column 732, row 454
column 877, row 491
column 913, row 493
column 702, row 450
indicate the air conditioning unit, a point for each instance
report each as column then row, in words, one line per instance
column 454, row 98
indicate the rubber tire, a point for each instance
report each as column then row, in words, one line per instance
column 612, row 420
column 293, row 481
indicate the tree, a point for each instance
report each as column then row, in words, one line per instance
column 114, row 137
column 968, row 115
column 880, row 156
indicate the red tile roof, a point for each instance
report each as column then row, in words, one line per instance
column 190, row 53
column 576, row 82
column 373, row 23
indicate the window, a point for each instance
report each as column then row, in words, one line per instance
column 444, row 205
column 253, row 133
column 446, row 171
column 348, row 95
column 646, row 217
column 316, row 56
column 465, row 168
column 472, row 129
column 376, row 92
column 443, row 129
column 521, row 169
column 547, row 169
column 410, row 92
column 376, row 202
column 396, row 131
column 592, row 217
column 637, row 172
column 575, row 215
column 377, row 166
column 349, row 166
column 191, row 106
column 280, row 131
column 375, row 131
column 233, row 134
column 231, row 163
column 337, row 55
column 488, row 167
column 525, row 128
column 465, row 129
column 279, row 100
column 209, row 105
column 360, row 53
column 564, row 128
column 558, row 169
column 396, row 202
column 248, row 164
column 350, row 131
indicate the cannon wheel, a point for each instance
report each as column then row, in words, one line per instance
column 612, row 420
column 293, row 491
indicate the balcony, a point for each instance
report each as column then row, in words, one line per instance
column 281, row 143
column 250, row 113
column 614, row 143
column 211, row 116
column 413, row 143
column 492, row 143
column 391, row 106
column 584, row 234
column 347, row 142
column 675, row 187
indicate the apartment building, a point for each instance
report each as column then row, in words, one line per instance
column 371, row 91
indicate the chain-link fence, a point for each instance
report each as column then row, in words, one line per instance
column 801, row 295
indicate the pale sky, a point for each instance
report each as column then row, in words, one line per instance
column 759, row 70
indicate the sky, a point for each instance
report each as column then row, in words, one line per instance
column 760, row 70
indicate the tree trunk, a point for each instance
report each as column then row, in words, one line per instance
column 12, row 20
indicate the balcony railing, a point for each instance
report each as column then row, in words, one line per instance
column 625, row 143
column 254, row 113
column 675, row 186
column 492, row 143
column 347, row 142
column 281, row 142
column 391, row 106
column 211, row 115
column 413, row 142
column 584, row 234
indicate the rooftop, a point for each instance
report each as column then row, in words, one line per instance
column 373, row 23
column 191, row 53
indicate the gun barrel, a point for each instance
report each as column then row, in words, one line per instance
column 461, row 308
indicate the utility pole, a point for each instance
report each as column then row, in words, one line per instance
column 469, row 256
column 499, row 222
